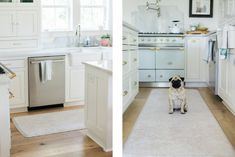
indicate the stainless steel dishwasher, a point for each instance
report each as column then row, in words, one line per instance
column 49, row 92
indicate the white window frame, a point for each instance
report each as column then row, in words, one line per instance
column 107, row 13
column 68, row 6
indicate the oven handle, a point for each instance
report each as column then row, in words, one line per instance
column 161, row 48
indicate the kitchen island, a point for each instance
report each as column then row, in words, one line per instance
column 98, row 102
column 5, row 136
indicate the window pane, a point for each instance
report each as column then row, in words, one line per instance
column 62, row 2
column 92, row 2
column 92, row 18
column 48, row 18
column 62, row 18
column 47, row 2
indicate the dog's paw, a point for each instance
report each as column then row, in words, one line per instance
column 182, row 112
column 171, row 112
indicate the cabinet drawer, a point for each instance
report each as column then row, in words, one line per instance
column 165, row 75
column 14, row 63
column 133, row 47
column 126, row 90
column 125, row 47
column 147, row 75
column 170, row 59
column 126, row 62
column 134, row 60
column 18, row 44
column 147, row 59
column 133, row 39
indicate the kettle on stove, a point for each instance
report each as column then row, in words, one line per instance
column 175, row 28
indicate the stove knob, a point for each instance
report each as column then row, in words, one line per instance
column 142, row 39
column 173, row 40
column 149, row 39
column 167, row 40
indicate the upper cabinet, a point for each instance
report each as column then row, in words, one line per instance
column 18, row 3
column 22, row 23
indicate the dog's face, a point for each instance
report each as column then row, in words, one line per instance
column 177, row 82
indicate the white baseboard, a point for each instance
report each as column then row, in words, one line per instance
column 229, row 108
column 75, row 103
column 19, row 109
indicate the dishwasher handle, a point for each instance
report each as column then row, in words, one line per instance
column 53, row 61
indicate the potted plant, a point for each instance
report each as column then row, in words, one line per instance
column 105, row 40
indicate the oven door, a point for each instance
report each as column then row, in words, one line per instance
column 147, row 57
column 170, row 58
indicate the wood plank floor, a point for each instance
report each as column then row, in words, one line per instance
column 67, row 144
column 220, row 112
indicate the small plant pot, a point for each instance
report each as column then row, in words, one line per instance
column 105, row 42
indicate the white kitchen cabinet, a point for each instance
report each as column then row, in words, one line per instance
column 98, row 105
column 5, row 136
column 18, row 85
column 27, row 23
column 226, row 81
column 76, row 84
column 75, row 72
column 18, row 23
column 130, row 65
column 18, row 88
column 7, row 26
column 196, row 66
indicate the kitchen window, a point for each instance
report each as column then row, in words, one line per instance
column 95, row 14
column 56, row 15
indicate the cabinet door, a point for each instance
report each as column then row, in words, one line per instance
column 18, row 88
column 231, row 84
column 223, row 76
column 27, row 24
column 7, row 26
column 147, row 58
column 76, row 85
column 193, row 59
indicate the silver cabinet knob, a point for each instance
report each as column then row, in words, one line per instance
column 124, row 38
column 125, row 93
column 124, row 62
column 149, row 76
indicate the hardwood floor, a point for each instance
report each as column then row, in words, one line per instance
column 67, row 144
column 220, row 112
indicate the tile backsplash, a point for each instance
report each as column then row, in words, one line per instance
column 147, row 20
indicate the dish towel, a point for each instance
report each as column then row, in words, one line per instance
column 46, row 71
column 224, row 45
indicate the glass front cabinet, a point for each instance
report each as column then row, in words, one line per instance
column 18, row 3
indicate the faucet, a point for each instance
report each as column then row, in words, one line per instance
column 78, row 33
column 154, row 6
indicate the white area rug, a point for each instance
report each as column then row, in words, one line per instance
column 159, row 134
column 49, row 123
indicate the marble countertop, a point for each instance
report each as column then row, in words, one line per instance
column 200, row 35
column 48, row 52
column 105, row 65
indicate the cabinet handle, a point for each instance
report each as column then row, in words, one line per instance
column 149, row 76
column 161, row 76
column 125, row 93
column 134, row 40
column 135, row 83
column 194, row 41
column 124, row 38
column 11, row 95
column 124, row 62
column 135, row 59
column 17, row 43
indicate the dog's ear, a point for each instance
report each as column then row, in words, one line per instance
column 182, row 78
column 170, row 79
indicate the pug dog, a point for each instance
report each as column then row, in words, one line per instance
column 177, row 95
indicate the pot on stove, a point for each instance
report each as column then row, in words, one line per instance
column 175, row 28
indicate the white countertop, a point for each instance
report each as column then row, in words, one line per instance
column 105, row 65
column 48, row 52
column 200, row 35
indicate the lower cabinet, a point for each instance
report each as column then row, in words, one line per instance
column 75, row 86
column 226, row 81
column 98, row 106
column 18, row 89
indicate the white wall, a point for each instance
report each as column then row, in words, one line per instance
column 131, row 5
